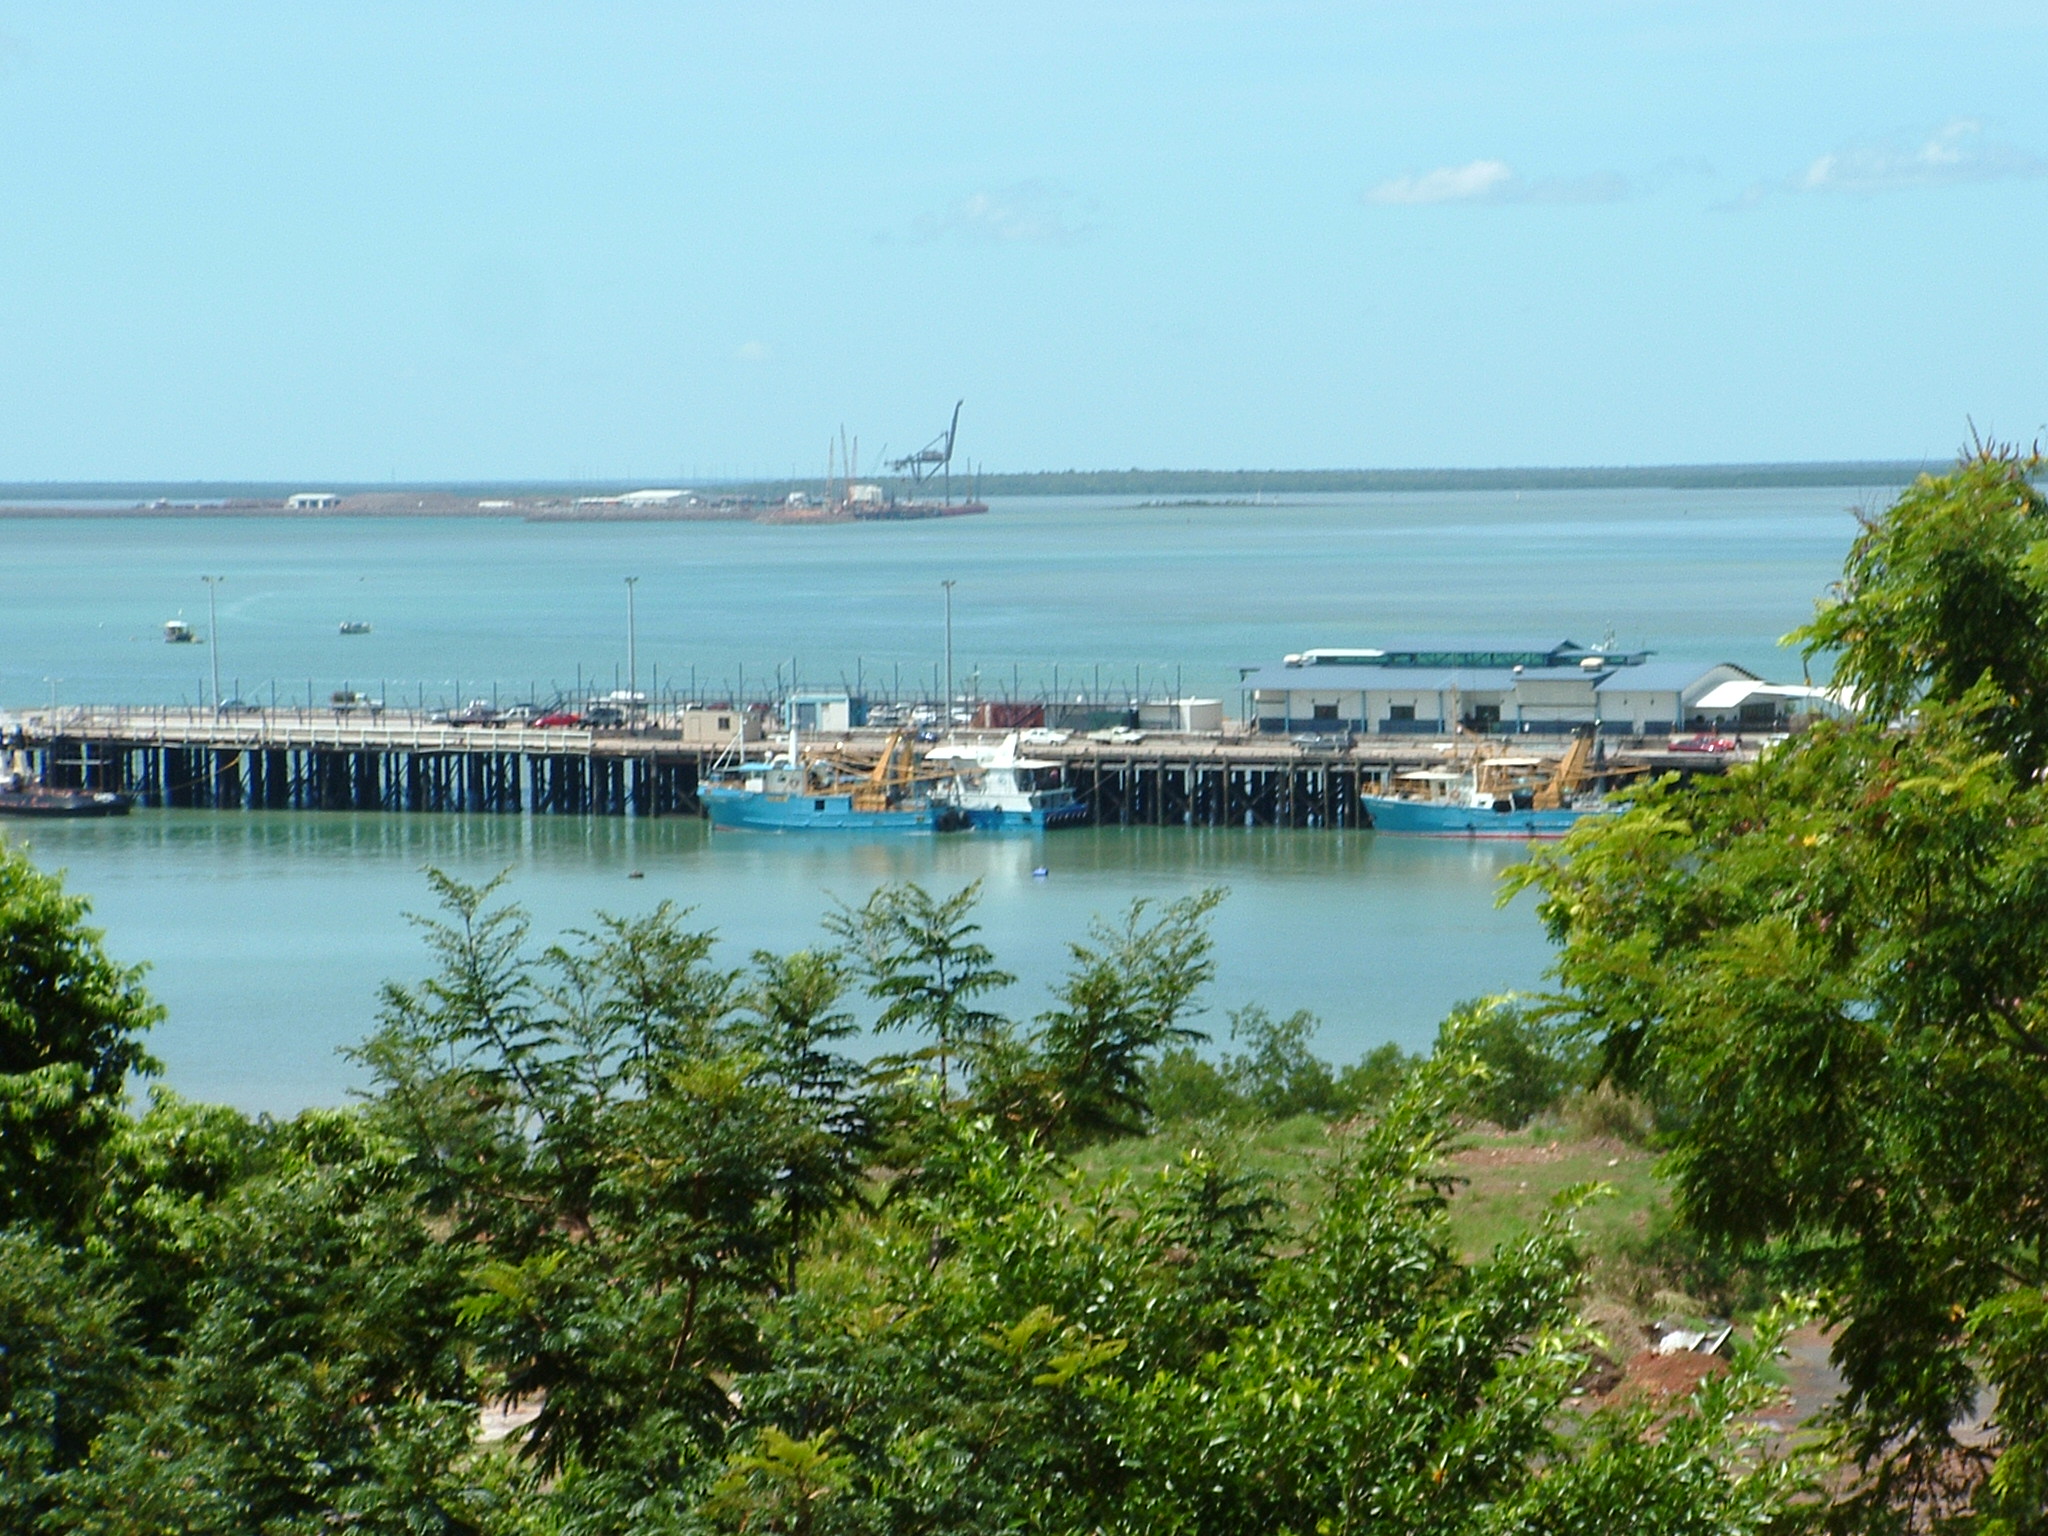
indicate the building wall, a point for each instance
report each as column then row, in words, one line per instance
column 1642, row 710
column 716, row 727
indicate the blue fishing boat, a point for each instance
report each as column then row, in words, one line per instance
column 1494, row 796
column 826, row 793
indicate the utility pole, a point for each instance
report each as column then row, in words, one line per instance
column 213, row 634
column 632, row 652
column 948, row 585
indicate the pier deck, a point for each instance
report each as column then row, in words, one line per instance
column 313, row 760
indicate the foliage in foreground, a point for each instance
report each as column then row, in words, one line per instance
column 750, row 1287
column 1828, row 973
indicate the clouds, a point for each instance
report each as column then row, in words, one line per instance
column 1495, row 181
column 1954, row 154
column 1022, row 213
column 1447, row 184
column 1958, row 153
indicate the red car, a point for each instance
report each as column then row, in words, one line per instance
column 559, row 717
column 1705, row 744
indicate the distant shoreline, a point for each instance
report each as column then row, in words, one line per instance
column 747, row 500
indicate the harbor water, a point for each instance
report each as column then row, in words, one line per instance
column 270, row 934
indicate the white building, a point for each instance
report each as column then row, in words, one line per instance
column 311, row 501
column 1502, row 688
column 820, row 712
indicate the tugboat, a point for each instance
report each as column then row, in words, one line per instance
column 1496, row 796
column 998, row 791
column 828, row 793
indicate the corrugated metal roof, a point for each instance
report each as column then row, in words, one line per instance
column 1405, row 679
column 1675, row 676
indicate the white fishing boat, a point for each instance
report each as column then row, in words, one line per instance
column 996, row 790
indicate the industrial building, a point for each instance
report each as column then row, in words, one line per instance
column 1512, row 688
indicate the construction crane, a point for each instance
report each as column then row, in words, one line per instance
column 935, row 456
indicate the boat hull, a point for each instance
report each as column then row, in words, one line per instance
column 996, row 818
column 61, row 803
column 751, row 810
column 1428, row 818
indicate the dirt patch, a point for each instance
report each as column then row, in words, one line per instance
column 1513, row 1156
column 1663, row 1377
column 1508, row 1157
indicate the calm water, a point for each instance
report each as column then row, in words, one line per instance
column 1078, row 584
column 269, row 935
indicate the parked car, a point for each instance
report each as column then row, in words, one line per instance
column 238, row 707
column 519, row 714
column 1704, row 743
column 475, row 712
column 555, row 719
column 604, row 717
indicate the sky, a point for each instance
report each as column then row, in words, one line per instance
column 677, row 242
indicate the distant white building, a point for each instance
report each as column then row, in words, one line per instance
column 651, row 498
column 311, row 501
column 1512, row 689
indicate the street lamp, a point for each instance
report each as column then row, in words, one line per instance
column 948, row 716
column 632, row 652
column 213, row 634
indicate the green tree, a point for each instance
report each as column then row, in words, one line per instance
column 596, row 1130
column 1030, row 1351
column 67, row 1365
column 1829, row 973
column 1526, row 1065
column 794, row 1006
column 1277, row 1074
column 317, row 1378
column 1126, row 992
column 925, row 965
column 71, row 1022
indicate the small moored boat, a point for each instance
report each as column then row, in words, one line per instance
column 827, row 792
column 1497, row 796
column 19, row 799
column 998, row 791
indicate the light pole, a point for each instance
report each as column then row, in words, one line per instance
column 213, row 634
column 948, row 716
column 632, row 651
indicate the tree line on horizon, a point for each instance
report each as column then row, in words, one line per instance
column 1857, row 473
